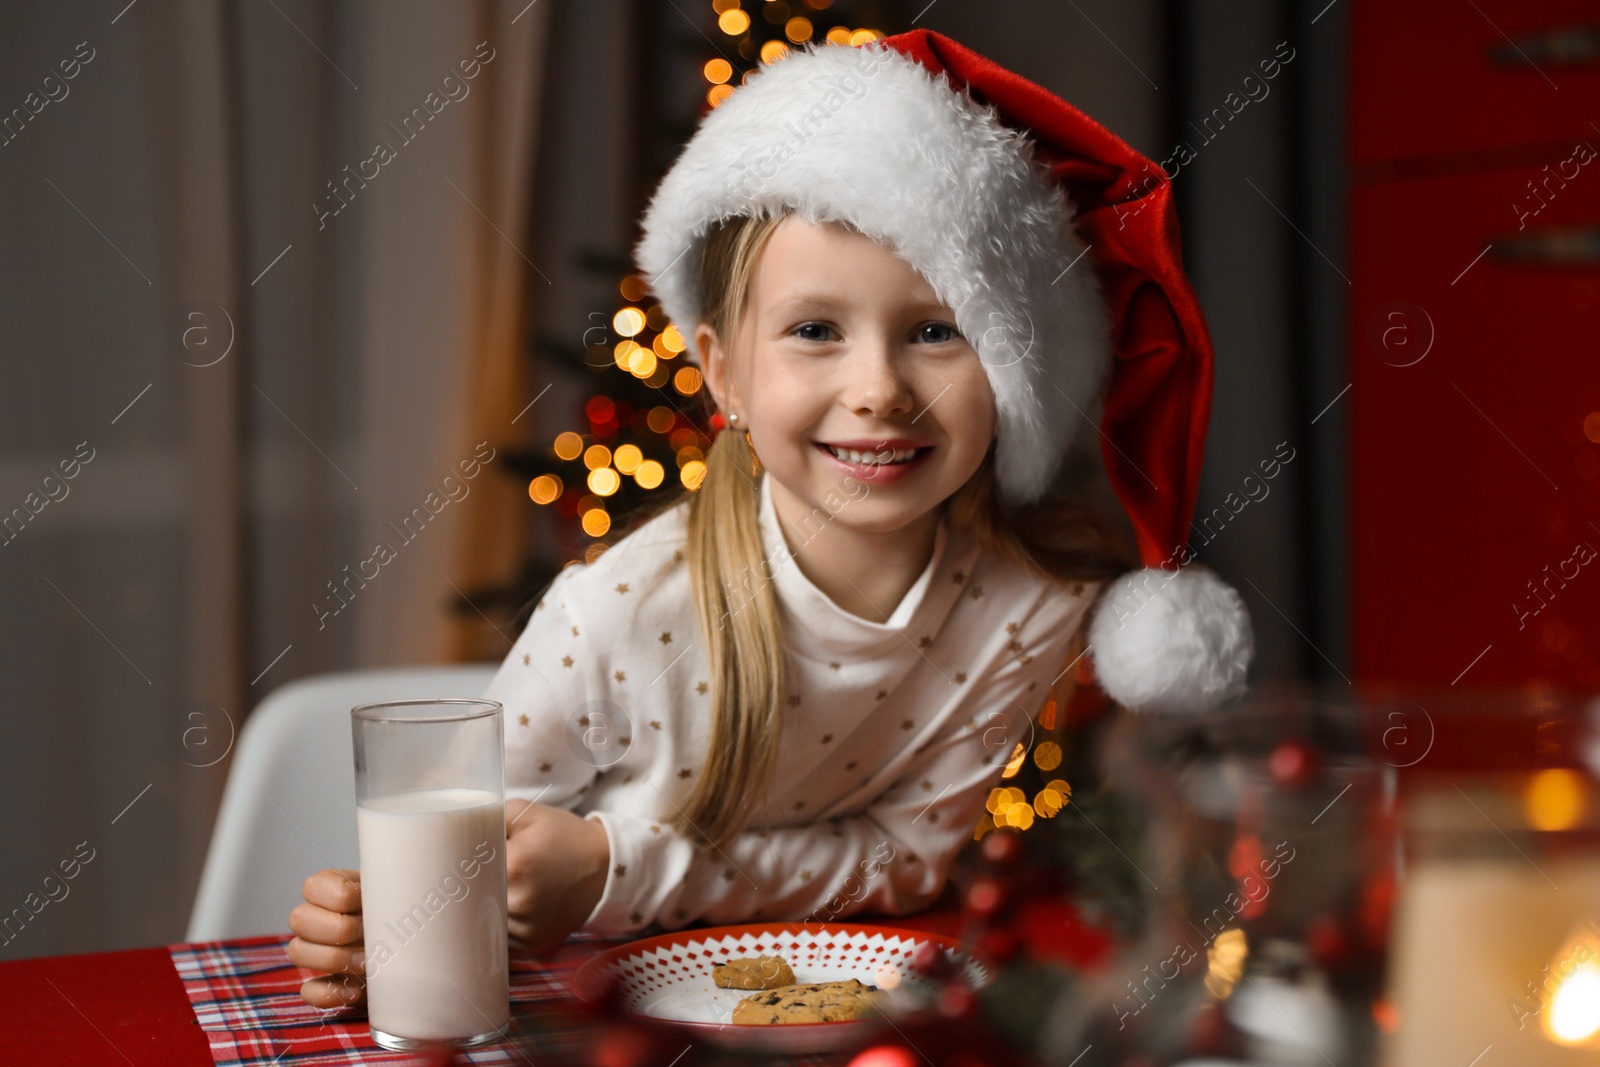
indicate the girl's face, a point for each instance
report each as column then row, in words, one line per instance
column 852, row 379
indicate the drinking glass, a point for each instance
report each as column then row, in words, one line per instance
column 430, row 819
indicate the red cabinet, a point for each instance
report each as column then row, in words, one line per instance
column 1474, row 354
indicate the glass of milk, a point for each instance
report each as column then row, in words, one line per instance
column 430, row 820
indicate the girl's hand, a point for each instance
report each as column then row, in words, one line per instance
column 556, row 863
column 327, row 937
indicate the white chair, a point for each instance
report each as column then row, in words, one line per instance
column 289, row 805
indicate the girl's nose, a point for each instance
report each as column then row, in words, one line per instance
column 877, row 385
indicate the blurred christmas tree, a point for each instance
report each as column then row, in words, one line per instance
column 641, row 433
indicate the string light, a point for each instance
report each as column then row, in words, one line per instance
column 627, row 458
column 660, row 419
column 1014, row 764
column 623, row 353
column 650, row 474
column 628, row 321
column 687, row 380
column 568, row 445
column 545, row 489
column 1225, row 962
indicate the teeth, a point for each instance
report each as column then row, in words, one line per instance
column 850, row 455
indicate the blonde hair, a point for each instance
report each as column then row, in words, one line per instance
column 735, row 601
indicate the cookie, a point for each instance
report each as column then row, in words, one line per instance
column 756, row 972
column 818, row 1002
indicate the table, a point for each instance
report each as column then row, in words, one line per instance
column 132, row 1006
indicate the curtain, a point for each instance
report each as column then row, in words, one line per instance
column 264, row 265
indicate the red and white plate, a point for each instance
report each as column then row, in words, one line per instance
column 668, row 978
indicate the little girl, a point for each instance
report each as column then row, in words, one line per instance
column 787, row 694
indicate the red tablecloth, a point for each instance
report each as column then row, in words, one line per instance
column 237, row 1002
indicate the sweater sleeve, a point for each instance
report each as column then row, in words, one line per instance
column 892, row 858
column 556, row 731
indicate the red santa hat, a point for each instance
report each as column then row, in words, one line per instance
column 1057, row 247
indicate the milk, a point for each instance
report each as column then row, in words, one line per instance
column 433, row 903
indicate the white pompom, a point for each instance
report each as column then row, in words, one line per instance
column 1171, row 641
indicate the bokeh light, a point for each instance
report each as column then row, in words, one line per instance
column 623, row 353
column 596, row 522
column 603, row 481
column 717, row 71
column 687, row 380
column 797, row 30
column 1225, row 962
column 692, row 474
column 1048, row 802
column 1047, row 755
column 1574, row 1015
column 1556, row 799
column 650, row 474
column 628, row 321
column 545, row 489
column 596, row 456
column 627, row 458
column 569, row 445
column 733, row 22
column 1014, row 764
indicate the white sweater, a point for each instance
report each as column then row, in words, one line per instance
column 894, row 732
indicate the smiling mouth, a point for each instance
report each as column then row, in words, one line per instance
column 874, row 457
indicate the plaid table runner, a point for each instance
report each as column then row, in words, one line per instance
column 246, row 997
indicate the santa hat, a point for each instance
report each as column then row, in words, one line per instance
column 1057, row 247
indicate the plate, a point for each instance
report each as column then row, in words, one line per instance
column 668, row 978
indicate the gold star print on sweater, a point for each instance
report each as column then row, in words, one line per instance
column 880, row 762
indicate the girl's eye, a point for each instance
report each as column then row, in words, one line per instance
column 812, row 326
column 942, row 332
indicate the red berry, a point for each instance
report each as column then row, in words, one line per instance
column 985, row 897
column 622, row 1046
column 1327, row 941
column 999, row 945
column 1208, row 1032
column 956, row 1000
column 884, row 1056
column 1003, row 848
column 1293, row 763
column 931, row 960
